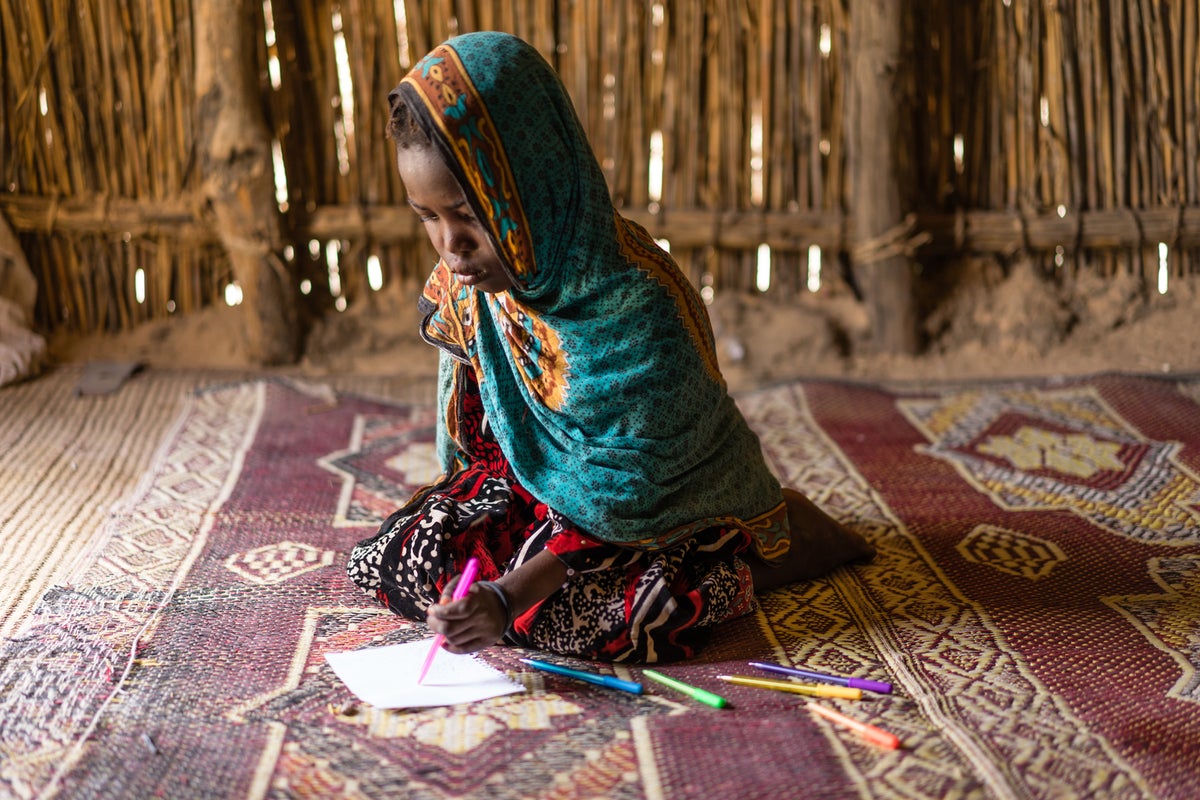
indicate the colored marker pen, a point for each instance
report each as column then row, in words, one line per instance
column 460, row 591
column 881, row 687
column 694, row 692
column 869, row 732
column 607, row 681
column 812, row 690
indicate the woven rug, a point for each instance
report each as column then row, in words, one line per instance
column 1035, row 601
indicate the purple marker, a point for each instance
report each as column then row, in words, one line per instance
column 853, row 683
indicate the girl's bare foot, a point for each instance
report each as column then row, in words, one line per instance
column 819, row 544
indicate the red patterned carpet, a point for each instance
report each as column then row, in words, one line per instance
column 1036, row 601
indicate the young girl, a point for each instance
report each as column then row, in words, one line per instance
column 594, row 462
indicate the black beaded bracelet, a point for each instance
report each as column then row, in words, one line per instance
column 502, row 596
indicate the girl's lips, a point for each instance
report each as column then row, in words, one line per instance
column 468, row 278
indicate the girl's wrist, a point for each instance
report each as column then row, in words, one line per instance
column 502, row 596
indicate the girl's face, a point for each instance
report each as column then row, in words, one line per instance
column 457, row 235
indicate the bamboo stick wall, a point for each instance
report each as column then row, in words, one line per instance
column 1077, row 121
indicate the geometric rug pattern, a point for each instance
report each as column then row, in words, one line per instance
column 1035, row 601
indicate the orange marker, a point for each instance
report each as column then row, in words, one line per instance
column 869, row 732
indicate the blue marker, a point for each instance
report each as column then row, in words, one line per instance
column 606, row 681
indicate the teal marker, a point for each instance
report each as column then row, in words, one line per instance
column 607, row 681
column 694, row 692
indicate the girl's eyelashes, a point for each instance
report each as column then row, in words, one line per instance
column 469, row 219
column 429, row 216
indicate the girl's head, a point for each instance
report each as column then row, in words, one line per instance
column 500, row 117
column 435, row 195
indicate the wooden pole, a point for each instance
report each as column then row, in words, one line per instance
column 234, row 148
column 876, row 218
column 17, row 282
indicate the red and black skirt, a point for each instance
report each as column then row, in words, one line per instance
column 618, row 604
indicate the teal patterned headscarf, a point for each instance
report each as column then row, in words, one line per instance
column 597, row 370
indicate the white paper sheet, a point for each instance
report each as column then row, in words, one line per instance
column 386, row 677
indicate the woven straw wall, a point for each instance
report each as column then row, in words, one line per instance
column 1066, row 130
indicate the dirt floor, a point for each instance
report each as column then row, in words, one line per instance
column 995, row 323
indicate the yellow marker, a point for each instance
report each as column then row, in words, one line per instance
column 810, row 689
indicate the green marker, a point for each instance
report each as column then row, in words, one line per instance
column 694, row 692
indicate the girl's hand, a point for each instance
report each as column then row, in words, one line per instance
column 470, row 624
column 479, row 619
